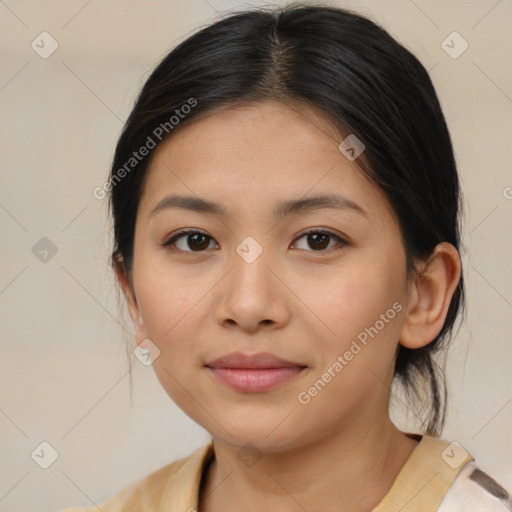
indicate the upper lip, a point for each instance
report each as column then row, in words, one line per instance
column 255, row 361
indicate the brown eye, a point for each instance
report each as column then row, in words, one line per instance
column 319, row 240
column 189, row 241
column 196, row 241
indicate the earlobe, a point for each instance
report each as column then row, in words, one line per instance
column 430, row 297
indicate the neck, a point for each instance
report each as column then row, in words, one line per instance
column 354, row 466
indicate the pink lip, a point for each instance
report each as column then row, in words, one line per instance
column 253, row 373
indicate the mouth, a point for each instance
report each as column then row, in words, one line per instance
column 253, row 373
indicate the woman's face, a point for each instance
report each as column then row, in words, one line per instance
column 331, row 304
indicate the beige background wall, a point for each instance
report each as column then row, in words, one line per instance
column 63, row 366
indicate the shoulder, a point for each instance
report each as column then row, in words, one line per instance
column 172, row 483
column 442, row 476
column 475, row 490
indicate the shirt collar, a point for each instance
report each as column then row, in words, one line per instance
column 182, row 489
column 420, row 486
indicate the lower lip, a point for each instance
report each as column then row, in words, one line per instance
column 254, row 381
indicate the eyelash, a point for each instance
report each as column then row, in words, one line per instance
column 170, row 241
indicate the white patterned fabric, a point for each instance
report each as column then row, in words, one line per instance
column 476, row 491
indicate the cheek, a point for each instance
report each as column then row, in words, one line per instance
column 358, row 292
column 170, row 312
column 170, row 321
column 362, row 304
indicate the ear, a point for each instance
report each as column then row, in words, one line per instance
column 430, row 296
column 126, row 283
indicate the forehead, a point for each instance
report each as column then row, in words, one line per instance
column 254, row 156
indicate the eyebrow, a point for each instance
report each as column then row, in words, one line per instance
column 293, row 206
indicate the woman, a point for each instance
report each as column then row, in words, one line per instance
column 286, row 217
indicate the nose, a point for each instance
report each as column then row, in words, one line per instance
column 253, row 294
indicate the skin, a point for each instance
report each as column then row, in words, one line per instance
column 301, row 304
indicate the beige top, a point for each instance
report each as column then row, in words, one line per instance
column 421, row 485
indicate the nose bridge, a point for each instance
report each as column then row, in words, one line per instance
column 251, row 293
column 250, row 263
